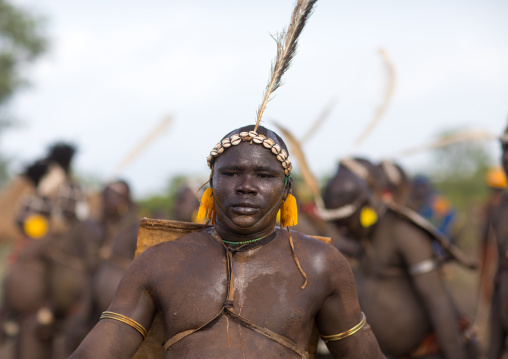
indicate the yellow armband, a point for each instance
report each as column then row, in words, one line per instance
column 356, row 328
column 125, row 320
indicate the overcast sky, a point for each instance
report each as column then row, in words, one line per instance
column 116, row 68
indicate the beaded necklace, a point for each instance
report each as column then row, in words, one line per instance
column 249, row 241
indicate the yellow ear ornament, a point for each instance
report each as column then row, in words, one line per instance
column 368, row 217
column 207, row 208
column 289, row 212
column 35, row 226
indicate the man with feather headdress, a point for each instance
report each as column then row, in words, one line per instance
column 241, row 287
column 235, row 289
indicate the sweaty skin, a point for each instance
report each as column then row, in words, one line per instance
column 186, row 280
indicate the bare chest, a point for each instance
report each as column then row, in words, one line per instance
column 265, row 290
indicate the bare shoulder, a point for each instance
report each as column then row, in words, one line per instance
column 310, row 243
column 404, row 229
column 412, row 241
column 322, row 257
column 170, row 251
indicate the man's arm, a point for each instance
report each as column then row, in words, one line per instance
column 416, row 250
column 115, row 339
column 341, row 311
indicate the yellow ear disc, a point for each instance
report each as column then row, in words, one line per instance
column 368, row 217
column 35, row 226
column 289, row 212
column 207, row 208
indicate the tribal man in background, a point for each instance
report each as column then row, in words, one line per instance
column 400, row 287
column 499, row 307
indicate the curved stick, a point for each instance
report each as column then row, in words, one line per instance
column 158, row 130
column 319, row 120
column 464, row 136
column 390, row 88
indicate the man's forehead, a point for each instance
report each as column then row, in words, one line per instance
column 279, row 151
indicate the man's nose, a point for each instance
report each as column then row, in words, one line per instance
column 246, row 186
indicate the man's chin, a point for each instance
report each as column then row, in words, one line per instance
column 242, row 224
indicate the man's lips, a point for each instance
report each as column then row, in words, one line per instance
column 245, row 209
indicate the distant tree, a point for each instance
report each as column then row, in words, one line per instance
column 162, row 204
column 22, row 41
column 459, row 171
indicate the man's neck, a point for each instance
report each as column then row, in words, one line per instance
column 230, row 235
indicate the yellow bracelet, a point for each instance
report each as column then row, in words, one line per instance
column 126, row 320
column 356, row 328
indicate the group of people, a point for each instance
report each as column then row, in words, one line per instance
column 271, row 289
column 398, row 272
column 65, row 266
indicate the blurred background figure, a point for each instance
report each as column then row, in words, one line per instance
column 25, row 276
column 367, row 171
column 499, row 233
column 186, row 205
column 399, row 279
column 49, row 275
column 436, row 208
column 496, row 182
column 396, row 184
column 121, row 223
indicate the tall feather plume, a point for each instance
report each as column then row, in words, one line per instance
column 464, row 136
column 390, row 88
column 287, row 42
column 319, row 121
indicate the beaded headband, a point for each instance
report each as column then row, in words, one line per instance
column 254, row 137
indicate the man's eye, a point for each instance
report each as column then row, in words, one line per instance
column 266, row 175
column 230, row 174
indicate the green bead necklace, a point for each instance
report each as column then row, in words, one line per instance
column 249, row 241
column 245, row 242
